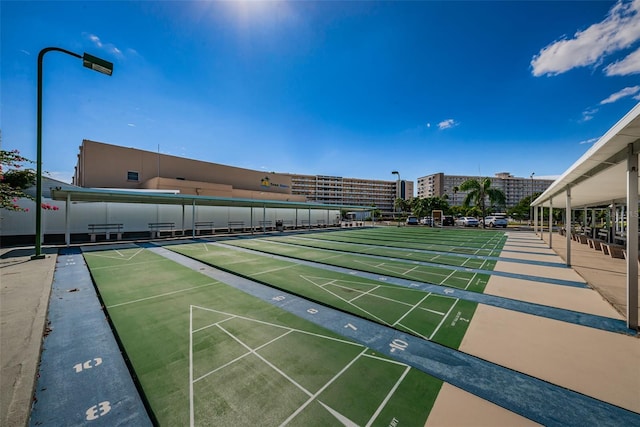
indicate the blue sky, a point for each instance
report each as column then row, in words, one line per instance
column 343, row 88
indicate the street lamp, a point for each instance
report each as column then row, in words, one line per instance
column 399, row 183
column 89, row 61
column 531, row 200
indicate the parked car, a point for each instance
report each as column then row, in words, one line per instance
column 495, row 221
column 447, row 220
column 412, row 220
column 426, row 220
column 467, row 221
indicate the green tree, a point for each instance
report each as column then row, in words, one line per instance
column 401, row 205
column 424, row 207
column 479, row 192
column 14, row 178
column 523, row 209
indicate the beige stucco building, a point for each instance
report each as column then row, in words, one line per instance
column 103, row 165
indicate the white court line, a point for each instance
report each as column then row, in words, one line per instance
column 280, row 326
column 163, row 295
column 386, row 399
column 393, row 362
column 470, row 280
column 239, row 357
column 410, row 270
column 348, row 302
column 120, row 258
column 324, row 387
column 416, row 333
column 443, row 319
column 271, row 365
column 412, row 308
column 330, row 282
column 432, row 311
column 213, row 324
column 362, row 293
column 273, row 269
column 129, row 264
column 446, row 278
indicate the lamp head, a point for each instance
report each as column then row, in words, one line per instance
column 97, row 64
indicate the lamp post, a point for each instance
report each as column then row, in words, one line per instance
column 89, row 61
column 531, row 200
column 399, row 193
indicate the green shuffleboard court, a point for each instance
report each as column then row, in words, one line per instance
column 205, row 353
column 430, row 316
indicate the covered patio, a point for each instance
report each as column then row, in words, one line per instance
column 604, row 178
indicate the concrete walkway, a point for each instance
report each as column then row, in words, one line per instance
column 24, row 298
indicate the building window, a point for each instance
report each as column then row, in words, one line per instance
column 132, row 176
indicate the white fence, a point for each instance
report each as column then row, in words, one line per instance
column 136, row 217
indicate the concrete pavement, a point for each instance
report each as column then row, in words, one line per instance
column 24, row 299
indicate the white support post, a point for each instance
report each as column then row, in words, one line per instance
column 193, row 218
column 567, row 226
column 632, row 238
column 67, row 220
column 251, row 219
column 550, row 222
column 264, row 219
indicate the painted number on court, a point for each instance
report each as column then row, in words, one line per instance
column 398, row 344
column 279, row 298
column 97, row 411
column 350, row 326
column 92, row 363
column 312, row 311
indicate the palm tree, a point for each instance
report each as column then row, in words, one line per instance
column 455, row 190
column 478, row 191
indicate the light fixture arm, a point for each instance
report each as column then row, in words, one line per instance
column 89, row 61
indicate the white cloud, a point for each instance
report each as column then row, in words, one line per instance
column 626, row 66
column 588, row 141
column 446, row 124
column 588, row 114
column 619, row 30
column 428, row 125
column 132, row 125
column 627, row 91
column 109, row 47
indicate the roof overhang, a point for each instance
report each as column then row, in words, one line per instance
column 125, row 196
column 599, row 177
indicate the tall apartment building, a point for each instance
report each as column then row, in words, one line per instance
column 514, row 188
column 351, row 191
column 103, row 165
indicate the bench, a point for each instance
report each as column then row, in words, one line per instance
column 601, row 236
column 235, row 225
column 156, row 228
column 613, row 250
column 321, row 223
column 266, row 225
column 287, row 223
column 204, row 225
column 106, row 229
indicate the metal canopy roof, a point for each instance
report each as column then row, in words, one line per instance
column 599, row 176
column 124, row 196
